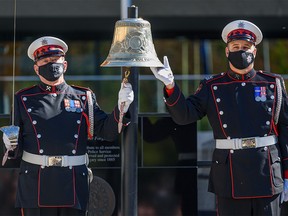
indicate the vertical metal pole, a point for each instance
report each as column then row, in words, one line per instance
column 124, row 7
column 129, row 147
column 129, row 150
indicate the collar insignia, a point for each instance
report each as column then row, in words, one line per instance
column 48, row 88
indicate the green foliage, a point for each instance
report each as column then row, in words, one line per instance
column 278, row 56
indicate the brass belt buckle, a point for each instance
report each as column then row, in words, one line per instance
column 248, row 143
column 55, row 161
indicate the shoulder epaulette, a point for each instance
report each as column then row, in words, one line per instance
column 213, row 77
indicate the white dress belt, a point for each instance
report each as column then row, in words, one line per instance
column 244, row 143
column 58, row 160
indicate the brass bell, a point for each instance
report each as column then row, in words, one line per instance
column 132, row 45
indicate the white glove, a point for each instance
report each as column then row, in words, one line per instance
column 125, row 96
column 284, row 194
column 165, row 73
column 9, row 144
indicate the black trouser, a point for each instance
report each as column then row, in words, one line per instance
column 245, row 207
column 52, row 212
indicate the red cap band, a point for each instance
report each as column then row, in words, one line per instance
column 47, row 51
column 241, row 34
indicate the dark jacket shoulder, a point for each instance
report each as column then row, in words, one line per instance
column 81, row 89
column 269, row 74
column 28, row 90
column 212, row 78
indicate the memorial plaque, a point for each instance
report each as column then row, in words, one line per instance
column 104, row 154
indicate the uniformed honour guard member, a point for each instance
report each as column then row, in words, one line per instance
column 56, row 120
column 247, row 110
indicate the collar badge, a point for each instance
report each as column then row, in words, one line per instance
column 48, row 88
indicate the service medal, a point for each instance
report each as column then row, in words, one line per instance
column 257, row 92
column 263, row 93
column 72, row 105
column 260, row 93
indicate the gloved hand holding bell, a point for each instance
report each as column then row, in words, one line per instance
column 164, row 74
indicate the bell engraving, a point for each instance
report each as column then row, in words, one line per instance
column 132, row 45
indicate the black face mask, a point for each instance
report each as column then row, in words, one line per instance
column 51, row 71
column 241, row 59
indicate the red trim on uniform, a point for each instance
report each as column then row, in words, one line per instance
column 35, row 131
column 232, row 179
column 117, row 120
column 45, row 50
column 22, row 90
column 285, row 171
column 252, row 197
column 216, row 77
column 81, row 87
column 240, row 33
column 217, row 209
column 56, row 206
column 268, row 74
column 274, row 126
column 53, row 89
column 90, row 136
column 42, row 88
column 243, row 77
column 231, row 175
column 286, row 174
column 115, row 117
column 169, row 91
column 219, row 118
column 39, row 187
column 175, row 100
column 88, row 125
column 87, row 122
column 271, row 180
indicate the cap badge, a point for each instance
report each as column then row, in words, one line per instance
column 241, row 25
column 44, row 42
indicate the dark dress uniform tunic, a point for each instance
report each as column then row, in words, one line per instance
column 54, row 120
column 236, row 109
